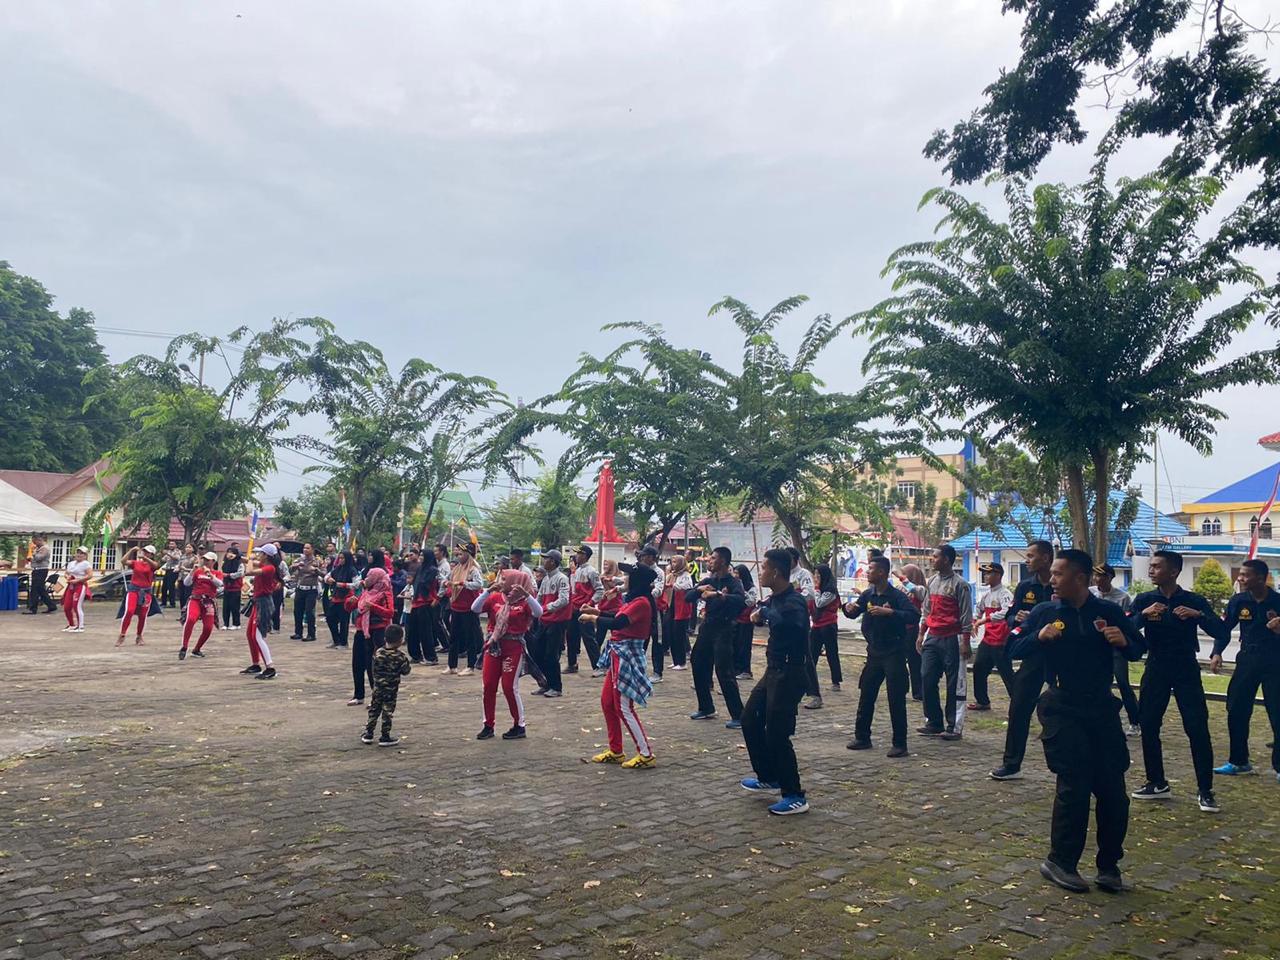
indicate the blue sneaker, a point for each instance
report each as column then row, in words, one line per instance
column 789, row 805
column 1229, row 769
column 752, row 785
column 733, row 725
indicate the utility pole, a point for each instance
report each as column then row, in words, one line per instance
column 400, row 524
column 1155, row 460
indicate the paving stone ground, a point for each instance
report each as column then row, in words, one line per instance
column 161, row 809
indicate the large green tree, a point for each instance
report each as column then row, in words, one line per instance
column 424, row 424
column 765, row 433
column 195, row 452
column 552, row 515
column 316, row 512
column 1091, row 318
column 1194, row 73
column 45, row 359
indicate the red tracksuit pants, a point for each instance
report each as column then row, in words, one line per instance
column 203, row 611
column 620, row 711
column 504, row 669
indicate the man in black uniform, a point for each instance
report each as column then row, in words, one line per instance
column 1256, row 610
column 1084, row 743
column 889, row 621
column 1169, row 617
column 725, row 599
column 1024, row 694
column 769, row 718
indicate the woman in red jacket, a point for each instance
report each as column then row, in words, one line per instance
column 374, row 611
column 204, row 580
column 511, row 609
column 138, row 599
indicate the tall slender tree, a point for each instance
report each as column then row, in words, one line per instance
column 1093, row 317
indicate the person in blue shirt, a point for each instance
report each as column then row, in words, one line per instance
column 1169, row 618
column 889, row 623
column 769, row 717
column 1256, row 611
column 1084, row 742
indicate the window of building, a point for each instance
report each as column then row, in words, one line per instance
column 1264, row 532
column 58, row 554
column 907, row 489
column 1206, row 528
column 1253, row 526
column 106, row 560
column 1216, row 526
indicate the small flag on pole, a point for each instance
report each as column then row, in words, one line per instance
column 253, row 529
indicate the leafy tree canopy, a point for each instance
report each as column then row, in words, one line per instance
column 45, row 359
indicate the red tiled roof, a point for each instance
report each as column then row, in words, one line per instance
column 1271, row 441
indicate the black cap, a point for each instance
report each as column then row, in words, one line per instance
column 585, row 551
column 648, row 550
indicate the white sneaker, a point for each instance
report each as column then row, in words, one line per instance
column 1133, row 730
column 465, row 672
column 78, row 630
column 68, row 629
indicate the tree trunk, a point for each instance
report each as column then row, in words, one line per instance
column 1078, row 505
column 791, row 523
column 1101, row 504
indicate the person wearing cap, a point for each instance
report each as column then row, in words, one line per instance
column 553, row 596
column 261, row 567
column 186, row 563
column 1170, row 619
column 142, row 577
column 1084, row 744
column 584, row 588
column 993, row 611
column 626, row 683
column 78, row 573
column 203, row 584
column 724, row 597
column 1104, row 576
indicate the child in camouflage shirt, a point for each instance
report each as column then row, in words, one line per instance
column 390, row 663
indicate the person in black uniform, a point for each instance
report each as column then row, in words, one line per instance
column 1169, row 617
column 769, row 718
column 1024, row 694
column 889, row 622
column 722, row 592
column 1256, row 610
column 1084, row 743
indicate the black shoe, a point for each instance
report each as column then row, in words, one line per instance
column 1153, row 791
column 387, row 741
column 295, row 636
column 1006, row 772
column 1208, row 802
column 366, row 737
column 252, row 668
column 308, row 639
column 267, row 674
column 486, row 733
column 858, row 745
column 702, row 715
column 197, row 653
column 950, row 735
column 515, row 733
column 897, row 752
column 1066, row 879
column 573, row 668
column 928, row 731
column 1110, row 880
column 182, row 653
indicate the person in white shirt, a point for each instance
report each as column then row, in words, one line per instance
column 993, row 609
column 801, row 578
column 78, row 574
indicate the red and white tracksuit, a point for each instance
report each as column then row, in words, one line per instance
column 138, row 600
column 620, row 710
column 74, row 596
column 203, row 605
column 504, row 668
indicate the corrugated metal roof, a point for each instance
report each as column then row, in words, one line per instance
column 1255, row 488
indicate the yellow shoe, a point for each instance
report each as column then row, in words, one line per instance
column 608, row 757
column 640, row 762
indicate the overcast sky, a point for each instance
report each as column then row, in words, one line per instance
column 483, row 184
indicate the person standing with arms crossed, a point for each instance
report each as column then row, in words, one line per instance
column 1084, row 743
column 1029, row 679
column 769, row 717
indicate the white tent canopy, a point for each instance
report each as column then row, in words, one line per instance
column 21, row 514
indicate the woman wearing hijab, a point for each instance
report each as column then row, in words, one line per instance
column 465, row 585
column 744, row 629
column 374, row 611
column 824, row 606
column 232, row 584
column 511, row 608
column 677, row 584
column 626, row 683
column 916, row 588
column 425, row 594
column 340, row 580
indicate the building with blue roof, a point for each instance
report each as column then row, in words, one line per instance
column 1222, row 524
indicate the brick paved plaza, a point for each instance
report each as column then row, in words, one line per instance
column 163, row 809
